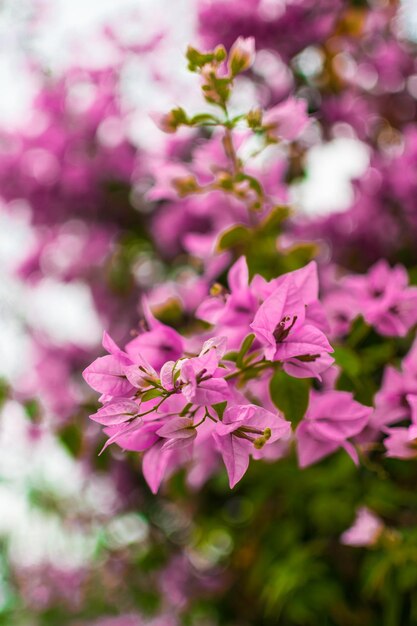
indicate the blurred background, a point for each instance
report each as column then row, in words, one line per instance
column 83, row 541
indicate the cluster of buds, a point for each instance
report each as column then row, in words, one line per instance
column 282, row 123
column 218, row 69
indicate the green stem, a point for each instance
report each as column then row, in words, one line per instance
column 254, row 367
column 230, row 151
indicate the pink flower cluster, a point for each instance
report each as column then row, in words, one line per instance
column 396, row 408
column 65, row 160
column 288, row 27
column 382, row 296
column 192, row 401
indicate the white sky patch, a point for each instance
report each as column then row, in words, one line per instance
column 15, row 345
column 36, row 535
column 15, row 239
column 331, row 169
column 408, row 19
column 16, row 235
column 64, row 311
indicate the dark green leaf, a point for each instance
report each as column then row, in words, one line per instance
column 244, row 348
column 220, row 408
column 235, row 236
column 231, row 356
column 348, row 360
column 290, row 395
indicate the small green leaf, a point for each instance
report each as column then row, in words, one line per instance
column 151, row 394
column 220, row 408
column 359, row 330
column 274, row 219
column 196, row 59
column 244, row 349
column 290, row 395
column 185, row 409
column 231, row 356
column 235, row 236
column 4, row 391
column 254, row 183
column 299, row 255
column 203, row 118
column 220, row 53
column 32, row 409
column 71, row 438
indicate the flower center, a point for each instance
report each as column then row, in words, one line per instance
column 247, row 432
column 307, row 358
column 282, row 329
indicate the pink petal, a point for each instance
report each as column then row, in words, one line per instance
column 177, row 428
column 238, row 276
column 311, row 450
column 235, row 456
column 116, row 412
column 154, row 465
column 106, row 375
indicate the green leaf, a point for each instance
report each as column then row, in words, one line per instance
column 179, row 116
column 71, row 438
column 274, row 219
column 348, row 360
column 376, row 356
column 186, row 409
column 220, row 408
column 197, row 59
column 151, row 394
column 231, row 356
column 203, row 118
column 290, row 395
column 299, row 255
column 254, row 184
column 359, row 330
column 4, row 391
column 32, row 409
column 244, row 348
column 235, row 236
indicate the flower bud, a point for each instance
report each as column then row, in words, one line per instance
column 216, row 89
column 186, row 185
column 254, row 118
column 224, row 181
column 220, row 54
column 217, row 290
column 242, row 55
column 169, row 122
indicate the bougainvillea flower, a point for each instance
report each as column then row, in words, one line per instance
column 365, row 530
column 157, row 344
column 332, row 418
column 243, row 429
column 394, row 400
column 384, row 298
column 401, row 442
column 232, row 311
column 279, row 327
